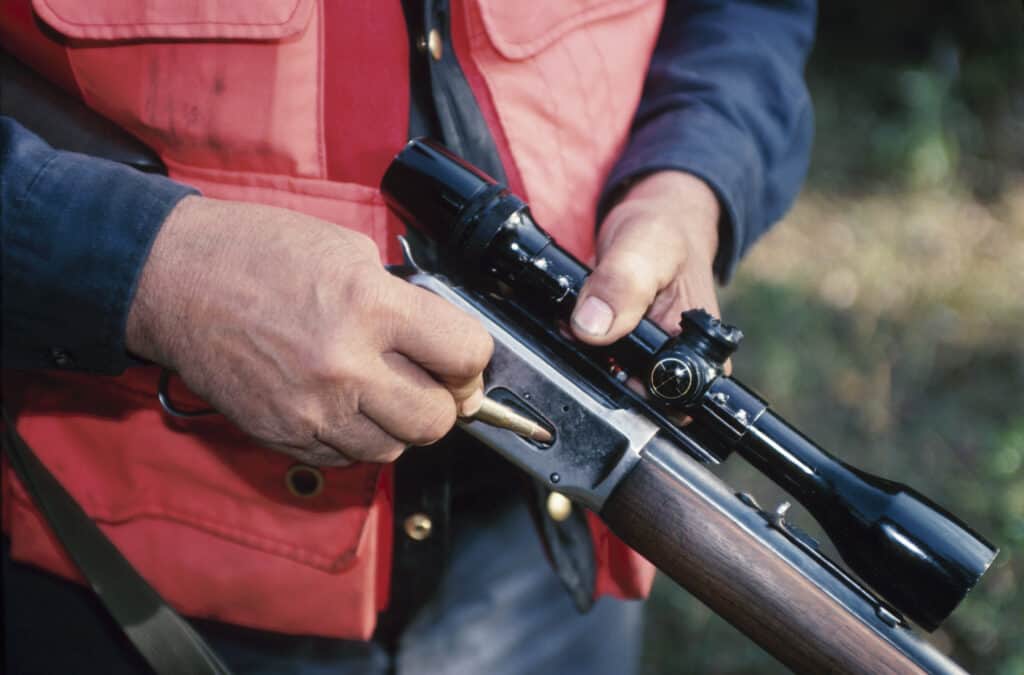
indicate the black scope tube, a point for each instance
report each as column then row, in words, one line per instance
column 917, row 555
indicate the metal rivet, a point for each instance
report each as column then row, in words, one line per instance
column 304, row 481
column 418, row 526
column 559, row 506
column 434, row 44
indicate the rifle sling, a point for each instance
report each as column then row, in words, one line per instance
column 164, row 639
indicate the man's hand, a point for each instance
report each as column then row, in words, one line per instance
column 655, row 252
column 291, row 327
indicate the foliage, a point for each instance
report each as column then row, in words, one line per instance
column 884, row 317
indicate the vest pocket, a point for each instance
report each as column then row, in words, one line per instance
column 231, row 84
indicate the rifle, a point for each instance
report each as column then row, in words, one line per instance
column 624, row 456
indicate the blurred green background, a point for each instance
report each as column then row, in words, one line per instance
column 884, row 316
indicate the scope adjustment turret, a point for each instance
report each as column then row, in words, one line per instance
column 715, row 340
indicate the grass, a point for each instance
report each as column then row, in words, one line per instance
column 884, row 319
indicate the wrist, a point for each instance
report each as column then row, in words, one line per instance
column 686, row 199
column 168, row 283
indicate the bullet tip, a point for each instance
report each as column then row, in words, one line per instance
column 541, row 435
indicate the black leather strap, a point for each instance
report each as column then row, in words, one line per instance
column 568, row 546
column 65, row 122
column 167, row 642
column 422, row 490
column 463, row 127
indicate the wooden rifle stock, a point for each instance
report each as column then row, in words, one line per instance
column 686, row 533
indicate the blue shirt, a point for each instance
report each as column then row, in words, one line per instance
column 724, row 99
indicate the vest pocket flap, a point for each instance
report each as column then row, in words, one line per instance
column 521, row 30
column 175, row 19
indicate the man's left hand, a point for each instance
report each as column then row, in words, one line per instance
column 655, row 251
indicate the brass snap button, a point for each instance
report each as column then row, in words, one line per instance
column 559, row 507
column 434, row 44
column 304, row 481
column 418, row 526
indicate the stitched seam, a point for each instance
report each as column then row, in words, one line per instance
column 24, row 198
column 321, row 189
column 522, row 50
column 584, row 93
column 606, row 76
column 321, row 136
column 261, row 542
column 173, row 23
column 552, row 111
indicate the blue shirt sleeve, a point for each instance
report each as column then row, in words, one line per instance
column 725, row 100
column 76, row 232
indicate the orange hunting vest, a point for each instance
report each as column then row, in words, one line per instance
column 298, row 104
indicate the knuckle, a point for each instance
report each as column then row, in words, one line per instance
column 343, row 247
column 397, row 311
column 360, row 451
column 390, row 454
column 361, row 444
column 363, row 246
column 625, row 283
column 364, row 291
column 472, row 348
column 437, row 422
column 477, row 351
column 381, row 452
column 333, row 367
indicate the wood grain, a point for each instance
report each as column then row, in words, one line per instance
column 745, row 582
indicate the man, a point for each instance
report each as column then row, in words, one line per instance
column 685, row 129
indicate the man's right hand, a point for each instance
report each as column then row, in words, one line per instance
column 292, row 328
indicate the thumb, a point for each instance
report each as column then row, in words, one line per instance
column 623, row 285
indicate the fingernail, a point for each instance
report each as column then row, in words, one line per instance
column 593, row 317
column 472, row 404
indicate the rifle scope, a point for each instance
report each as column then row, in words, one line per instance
column 917, row 556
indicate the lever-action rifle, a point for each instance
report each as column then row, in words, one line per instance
column 623, row 456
